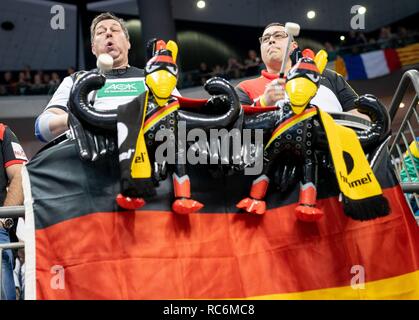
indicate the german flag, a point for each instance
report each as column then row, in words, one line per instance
column 152, row 253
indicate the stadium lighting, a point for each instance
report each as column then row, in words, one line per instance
column 401, row 105
column 311, row 14
column 362, row 10
column 342, row 38
column 201, row 4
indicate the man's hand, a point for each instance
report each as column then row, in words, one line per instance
column 274, row 91
column 90, row 146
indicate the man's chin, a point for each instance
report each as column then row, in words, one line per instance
column 275, row 55
column 113, row 53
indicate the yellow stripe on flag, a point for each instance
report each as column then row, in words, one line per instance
column 409, row 54
column 340, row 67
column 290, row 124
column 404, row 287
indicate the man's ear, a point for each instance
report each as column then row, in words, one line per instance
column 93, row 50
column 129, row 44
column 294, row 45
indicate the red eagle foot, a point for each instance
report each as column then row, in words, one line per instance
column 252, row 205
column 308, row 213
column 186, row 206
column 129, row 203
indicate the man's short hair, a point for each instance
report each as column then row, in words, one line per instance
column 107, row 16
column 273, row 24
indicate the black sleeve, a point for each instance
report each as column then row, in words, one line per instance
column 343, row 91
column 12, row 150
column 243, row 97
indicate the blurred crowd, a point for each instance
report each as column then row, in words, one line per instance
column 234, row 68
column 28, row 82
column 356, row 42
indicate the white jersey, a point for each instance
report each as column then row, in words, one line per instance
column 326, row 100
column 121, row 86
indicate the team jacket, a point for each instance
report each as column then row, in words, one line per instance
column 334, row 94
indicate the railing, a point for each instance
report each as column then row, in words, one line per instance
column 399, row 150
column 10, row 212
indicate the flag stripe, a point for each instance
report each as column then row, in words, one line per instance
column 160, row 255
column 375, row 64
column 392, row 59
column 403, row 287
column 355, row 67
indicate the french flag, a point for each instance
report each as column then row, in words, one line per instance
column 372, row 64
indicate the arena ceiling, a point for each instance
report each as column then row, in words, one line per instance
column 32, row 41
column 331, row 15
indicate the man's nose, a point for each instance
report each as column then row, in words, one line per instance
column 271, row 40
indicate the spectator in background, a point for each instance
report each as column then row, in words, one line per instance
column 28, row 73
column 22, row 84
column 356, row 41
column 37, row 87
column 54, row 82
column 331, row 51
column 7, row 84
column 70, row 71
column 386, row 38
column 361, row 38
column 403, row 37
column 252, row 63
column 351, row 39
column 188, row 79
column 204, row 73
column 46, row 78
column 40, row 73
column 372, row 45
column 234, row 69
column 217, row 71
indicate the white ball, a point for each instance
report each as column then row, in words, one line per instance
column 292, row 28
column 104, row 62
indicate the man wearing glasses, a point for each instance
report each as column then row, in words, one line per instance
column 334, row 94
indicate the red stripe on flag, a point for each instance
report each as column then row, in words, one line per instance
column 392, row 59
column 161, row 255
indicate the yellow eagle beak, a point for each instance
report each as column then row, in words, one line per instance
column 300, row 91
column 162, row 83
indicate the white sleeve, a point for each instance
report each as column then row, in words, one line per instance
column 20, row 229
column 61, row 95
column 16, row 272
